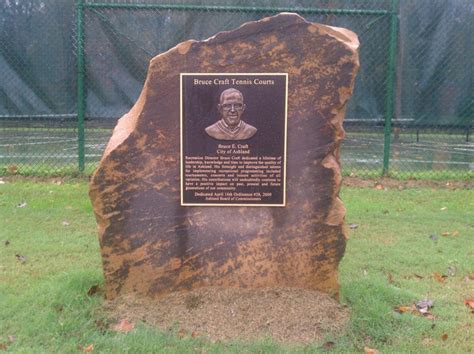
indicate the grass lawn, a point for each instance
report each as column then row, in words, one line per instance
column 409, row 245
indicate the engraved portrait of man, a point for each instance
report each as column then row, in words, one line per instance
column 231, row 126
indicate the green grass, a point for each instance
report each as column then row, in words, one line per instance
column 46, row 170
column 390, row 248
column 44, row 301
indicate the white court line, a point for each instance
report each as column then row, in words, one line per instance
column 411, row 145
column 378, row 161
column 49, row 157
column 469, row 150
column 32, row 137
column 411, row 148
column 36, row 143
column 421, row 143
column 87, row 146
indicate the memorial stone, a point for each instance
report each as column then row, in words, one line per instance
column 226, row 171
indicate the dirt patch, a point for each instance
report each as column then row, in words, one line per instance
column 391, row 183
column 288, row 316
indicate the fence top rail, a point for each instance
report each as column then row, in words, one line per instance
column 225, row 8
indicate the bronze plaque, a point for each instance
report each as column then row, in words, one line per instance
column 233, row 139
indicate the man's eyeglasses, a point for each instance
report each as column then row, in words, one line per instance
column 232, row 106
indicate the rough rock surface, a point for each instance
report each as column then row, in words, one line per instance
column 152, row 245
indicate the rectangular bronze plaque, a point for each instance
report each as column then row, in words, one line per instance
column 233, row 139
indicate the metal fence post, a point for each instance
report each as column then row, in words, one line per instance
column 389, row 108
column 80, row 84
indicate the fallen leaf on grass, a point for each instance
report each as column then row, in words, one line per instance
column 452, row 271
column 89, row 349
column 455, row 233
column 421, row 308
column 379, row 187
column 429, row 316
column 414, row 275
column 181, row 333
column 328, row 345
column 353, row 226
column 66, row 223
column 439, row 277
column 93, row 290
column 368, row 350
column 424, row 305
column 124, row 326
column 444, row 336
column 3, row 346
column 443, row 208
column 469, row 303
column 427, row 341
column 11, row 339
column 390, row 278
column 195, row 334
column 12, row 169
column 20, row 258
column 21, row 205
column 403, row 309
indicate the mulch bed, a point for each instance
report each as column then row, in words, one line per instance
column 288, row 316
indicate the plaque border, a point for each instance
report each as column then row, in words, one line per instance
column 181, row 75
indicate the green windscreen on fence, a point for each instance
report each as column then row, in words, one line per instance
column 418, row 78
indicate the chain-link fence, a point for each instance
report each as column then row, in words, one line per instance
column 70, row 72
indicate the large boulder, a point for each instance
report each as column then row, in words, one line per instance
column 152, row 245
